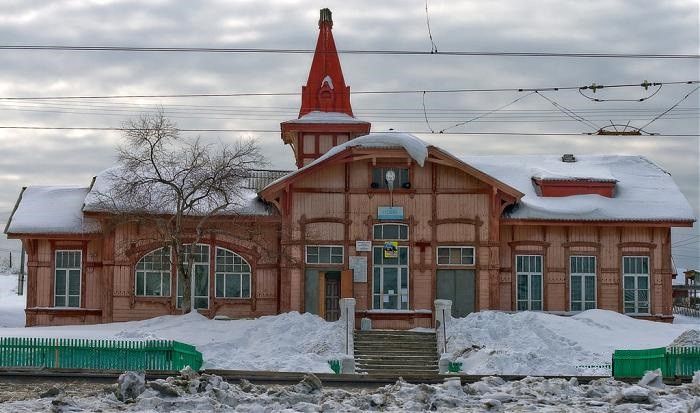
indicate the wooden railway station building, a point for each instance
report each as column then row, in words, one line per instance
column 382, row 217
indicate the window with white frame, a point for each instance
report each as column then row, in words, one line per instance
column 528, row 274
column 635, row 276
column 153, row 274
column 67, row 274
column 232, row 275
column 324, row 254
column 390, row 280
column 398, row 232
column 200, row 271
column 455, row 255
column 582, row 286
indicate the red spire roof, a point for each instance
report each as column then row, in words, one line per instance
column 325, row 89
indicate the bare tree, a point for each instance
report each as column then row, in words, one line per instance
column 177, row 186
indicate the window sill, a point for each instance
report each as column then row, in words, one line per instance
column 152, row 297
column 241, row 299
column 64, row 310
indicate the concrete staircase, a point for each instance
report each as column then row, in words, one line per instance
column 395, row 352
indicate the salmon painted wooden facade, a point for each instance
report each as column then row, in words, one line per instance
column 384, row 218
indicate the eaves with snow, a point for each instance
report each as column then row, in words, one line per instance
column 643, row 190
column 316, row 117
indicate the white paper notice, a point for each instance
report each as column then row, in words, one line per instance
column 358, row 265
column 390, row 292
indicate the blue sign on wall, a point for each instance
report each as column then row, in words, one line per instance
column 390, row 213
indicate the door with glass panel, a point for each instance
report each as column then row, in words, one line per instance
column 582, row 286
column 200, row 271
column 635, row 276
column 528, row 276
column 390, row 280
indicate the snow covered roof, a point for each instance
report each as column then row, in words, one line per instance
column 553, row 169
column 416, row 148
column 644, row 191
column 51, row 210
column 247, row 201
column 326, row 117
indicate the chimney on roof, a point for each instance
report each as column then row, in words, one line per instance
column 568, row 157
column 326, row 16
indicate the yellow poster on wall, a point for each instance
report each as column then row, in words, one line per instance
column 391, row 249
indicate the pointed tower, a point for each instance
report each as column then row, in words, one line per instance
column 325, row 118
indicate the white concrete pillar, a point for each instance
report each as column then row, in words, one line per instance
column 347, row 316
column 443, row 315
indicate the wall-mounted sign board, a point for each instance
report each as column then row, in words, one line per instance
column 363, row 246
column 358, row 265
column 390, row 213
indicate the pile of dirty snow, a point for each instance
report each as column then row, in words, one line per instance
column 209, row 393
column 11, row 304
column 285, row 342
column 533, row 343
column 690, row 338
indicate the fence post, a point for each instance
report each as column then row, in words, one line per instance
column 443, row 314
column 347, row 316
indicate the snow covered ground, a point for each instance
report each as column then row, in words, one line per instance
column 208, row 393
column 11, row 304
column 488, row 342
column 285, row 342
column 532, row 343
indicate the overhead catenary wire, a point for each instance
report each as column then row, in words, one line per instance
column 687, row 239
column 486, row 113
column 251, row 130
column 569, row 112
column 671, row 108
column 167, row 49
column 645, row 85
column 433, row 46
column 361, row 92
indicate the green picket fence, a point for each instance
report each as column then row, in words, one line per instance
column 683, row 361
column 634, row 363
column 673, row 361
column 98, row 354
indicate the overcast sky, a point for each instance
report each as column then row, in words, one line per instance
column 73, row 157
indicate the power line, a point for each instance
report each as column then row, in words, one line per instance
column 486, row 113
column 160, row 49
column 569, row 112
column 364, row 92
column 277, row 131
column 671, row 108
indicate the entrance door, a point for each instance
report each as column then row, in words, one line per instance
column 332, row 296
column 457, row 286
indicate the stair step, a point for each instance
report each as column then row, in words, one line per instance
column 396, row 352
column 395, row 349
column 396, row 362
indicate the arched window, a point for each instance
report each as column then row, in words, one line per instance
column 232, row 275
column 153, row 274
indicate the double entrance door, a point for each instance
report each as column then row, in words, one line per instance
column 459, row 287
